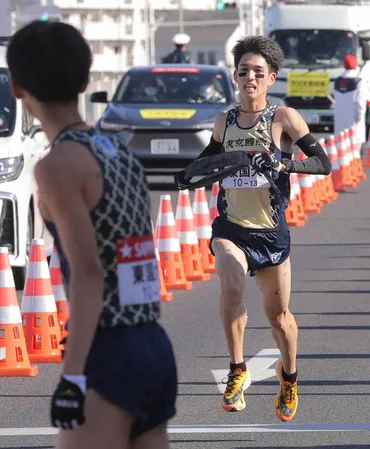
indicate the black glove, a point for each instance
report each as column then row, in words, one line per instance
column 67, row 405
column 180, row 182
column 288, row 165
column 265, row 161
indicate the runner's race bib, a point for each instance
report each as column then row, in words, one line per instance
column 137, row 271
column 246, row 178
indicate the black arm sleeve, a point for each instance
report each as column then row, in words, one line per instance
column 211, row 149
column 317, row 161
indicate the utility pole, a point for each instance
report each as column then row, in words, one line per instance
column 181, row 17
column 152, row 29
column 243, row 17
column 148, row 31
column 253, row 17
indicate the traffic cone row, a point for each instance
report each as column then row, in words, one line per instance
column 184, row 238
column 314, row 191
column 31, row 333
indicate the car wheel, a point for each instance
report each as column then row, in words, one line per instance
column 20, row 272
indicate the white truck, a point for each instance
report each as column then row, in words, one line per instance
column 22, row 144
column 315, row 37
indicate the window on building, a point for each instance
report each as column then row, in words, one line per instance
column 201, row 56
column 116, row 18
column 130, row 56
column 96, row 48
column 117, row 49
column 129, row 27
column 212, row 57
column 80, row 1
column 174, row 2
column 128, row 2
column 95, row 16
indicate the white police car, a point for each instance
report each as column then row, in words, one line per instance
column 22, row 144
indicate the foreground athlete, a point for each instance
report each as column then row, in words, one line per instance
column 251, row 233
column 118, row 384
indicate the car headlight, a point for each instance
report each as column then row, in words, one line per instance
column 113, row 126
column 207, row 125
column 11, row 168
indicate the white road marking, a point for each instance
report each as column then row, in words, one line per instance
column 258, row 366
column 217, row 428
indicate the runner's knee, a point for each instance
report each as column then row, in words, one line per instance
column 231, row 269
column 232, row 279
column 278, row 320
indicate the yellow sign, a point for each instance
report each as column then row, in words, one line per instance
column 176, row 114
column 308, row 84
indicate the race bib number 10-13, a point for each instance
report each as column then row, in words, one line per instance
column 137, row 271
column 246, row 178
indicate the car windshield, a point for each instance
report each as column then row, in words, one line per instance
column 315, row 48
column 7, row 104
column 171, row 85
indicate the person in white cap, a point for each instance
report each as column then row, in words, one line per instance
column 350, row 95
column 180, row 55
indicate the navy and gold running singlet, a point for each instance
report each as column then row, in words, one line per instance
column 251, row 211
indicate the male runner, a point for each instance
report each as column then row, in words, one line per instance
column 95, row 202
column 251, row 233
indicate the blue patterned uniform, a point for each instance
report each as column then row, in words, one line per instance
column 131, row 362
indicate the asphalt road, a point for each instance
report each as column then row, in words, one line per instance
column 330, row 299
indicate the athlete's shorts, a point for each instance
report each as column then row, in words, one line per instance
column 135, row 369
column 262, row 247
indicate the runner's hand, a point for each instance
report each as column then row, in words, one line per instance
column 67, row 404
column 265, row 161
column 180, row 181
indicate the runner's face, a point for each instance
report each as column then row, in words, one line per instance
column 253, row 77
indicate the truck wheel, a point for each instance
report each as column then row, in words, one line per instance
column 19, row 273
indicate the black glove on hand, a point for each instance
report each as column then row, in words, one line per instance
column 67, row 405
column 180, row 182
column 265, row 161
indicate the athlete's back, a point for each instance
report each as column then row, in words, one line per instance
column 95, row 202
column 122, row 225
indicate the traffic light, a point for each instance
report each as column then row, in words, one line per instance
column 222, row 4
column 44, row 17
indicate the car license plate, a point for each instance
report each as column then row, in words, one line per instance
column 314, row 119
column 165, row 146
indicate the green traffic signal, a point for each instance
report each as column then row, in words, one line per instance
column 44, row 17
column 220, row 5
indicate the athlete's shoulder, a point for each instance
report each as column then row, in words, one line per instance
column 286, row 113
column 221, row 122
column 62, row 163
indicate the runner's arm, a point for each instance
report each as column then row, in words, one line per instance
column 317, row 161
column 60, row 195
column 214, row 147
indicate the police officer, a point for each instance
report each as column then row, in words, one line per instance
column 180, row 55
column 350, row 94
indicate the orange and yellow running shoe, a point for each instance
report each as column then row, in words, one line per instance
column 286, row 401
column 233, row 398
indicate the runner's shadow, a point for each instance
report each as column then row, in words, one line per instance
column 212, row 441
column 319, row 328
column 341, row 292
column 331, row 446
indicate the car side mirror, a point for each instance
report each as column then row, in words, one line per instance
column 34, row 130
column 365, row 46
column 99, row 97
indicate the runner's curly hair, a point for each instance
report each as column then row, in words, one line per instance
column 260, row 45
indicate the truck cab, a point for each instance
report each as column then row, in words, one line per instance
column 22, row 144
column 315, row 37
